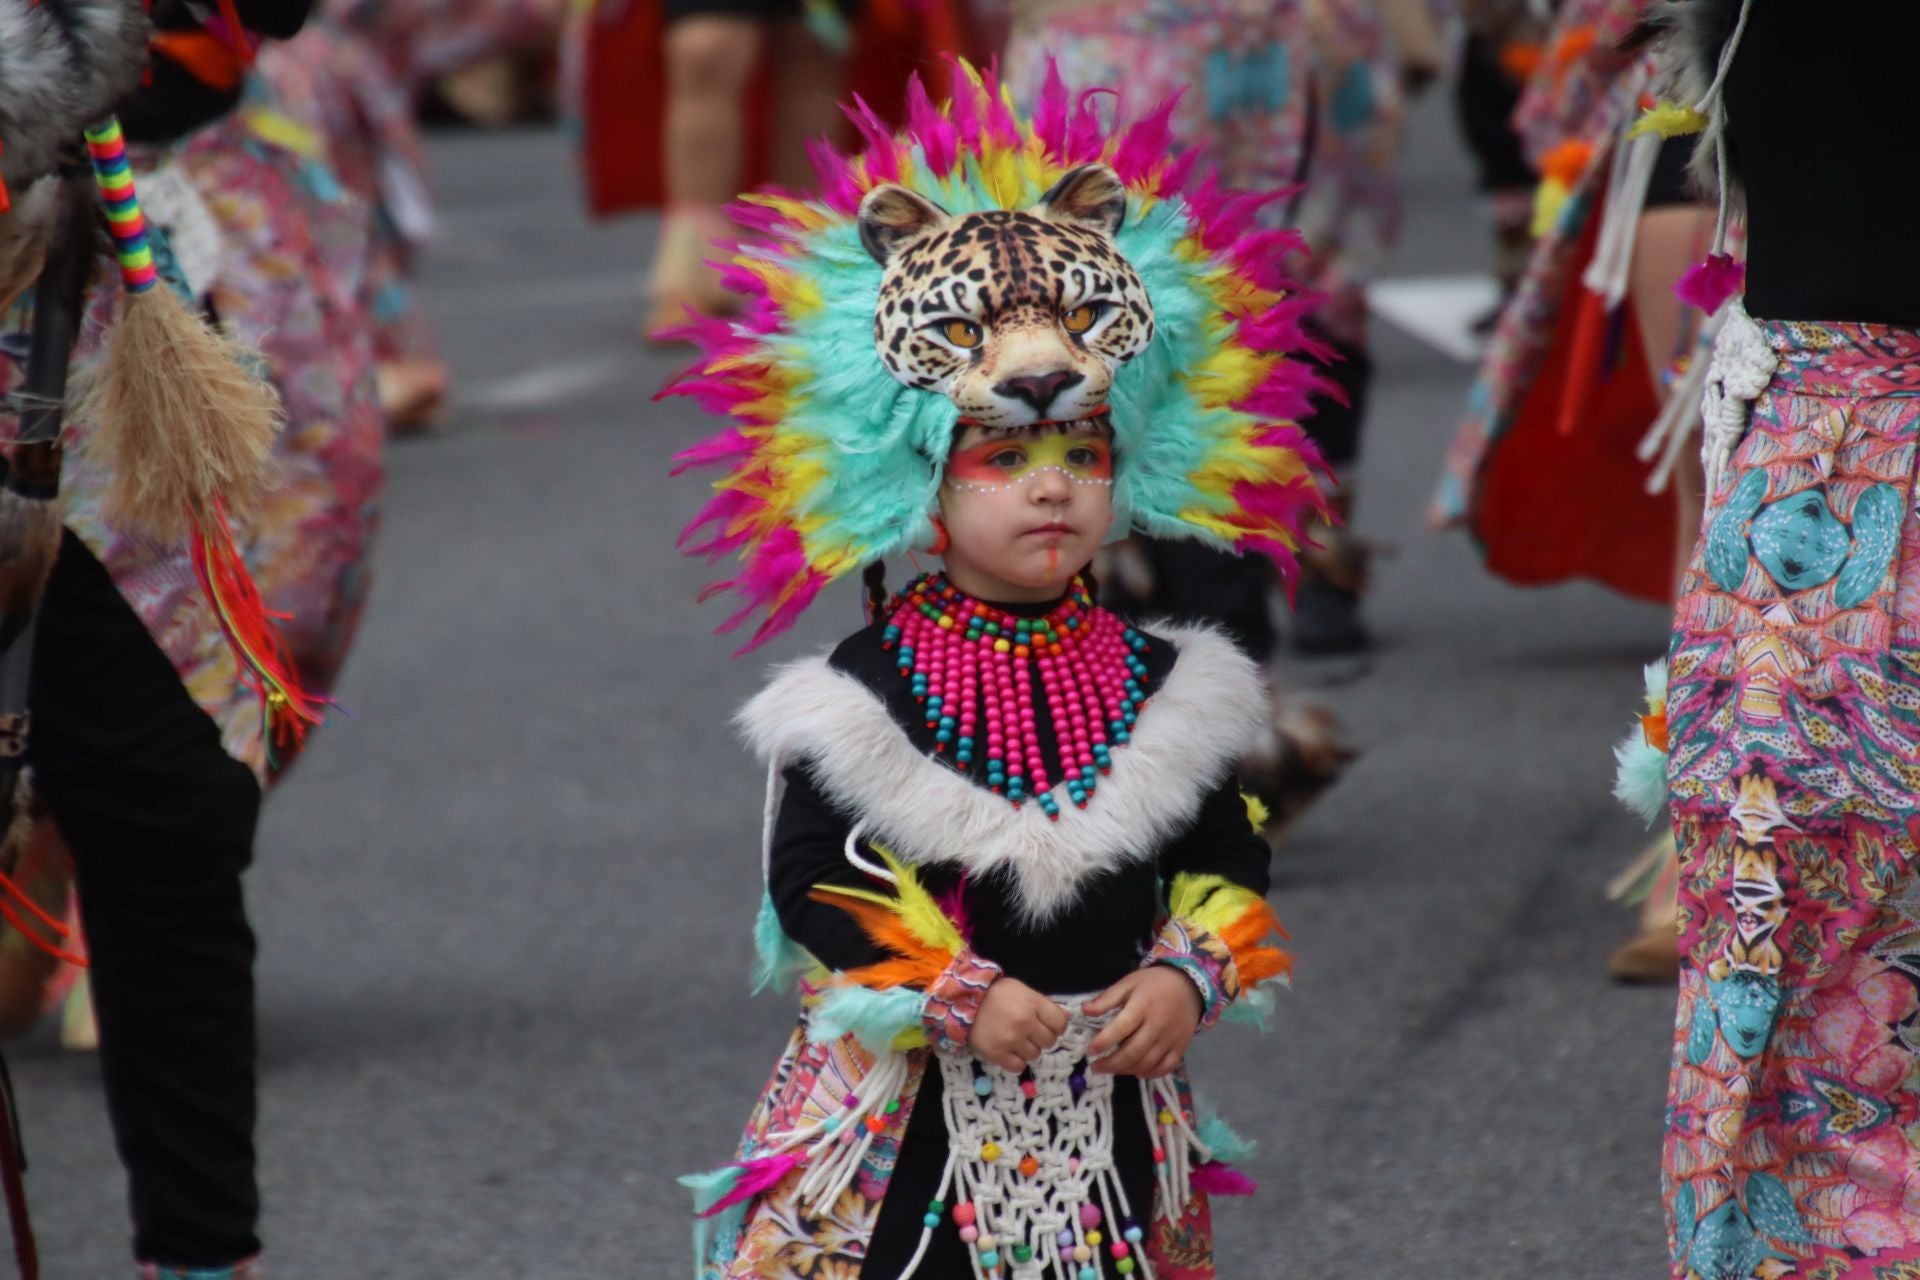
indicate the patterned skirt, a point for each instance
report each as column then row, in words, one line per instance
column 1793, row 1121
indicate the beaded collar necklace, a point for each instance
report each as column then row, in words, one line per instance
column 971, row 664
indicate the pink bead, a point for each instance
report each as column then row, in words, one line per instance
column 969, row 1234
column 1118, row 1248
column 964, row 1214
column 1089, row 1216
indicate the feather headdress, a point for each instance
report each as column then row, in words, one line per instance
column 830, row 463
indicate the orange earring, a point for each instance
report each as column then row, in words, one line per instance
column 940, row 539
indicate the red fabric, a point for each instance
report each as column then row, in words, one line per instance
column 624, row 93
column 1563, row 496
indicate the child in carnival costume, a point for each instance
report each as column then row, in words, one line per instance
column 1006, row 859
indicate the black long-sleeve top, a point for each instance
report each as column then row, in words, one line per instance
column 1821, row 120
column 1097, row 938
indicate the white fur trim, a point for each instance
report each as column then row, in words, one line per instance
column 1210, row 709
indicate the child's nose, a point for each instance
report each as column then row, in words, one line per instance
column 1049, row 485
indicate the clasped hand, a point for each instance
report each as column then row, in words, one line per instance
column 1158, row 1014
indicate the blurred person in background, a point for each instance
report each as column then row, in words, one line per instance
column 1572, row 460
column 685, row 103
column 157, row 715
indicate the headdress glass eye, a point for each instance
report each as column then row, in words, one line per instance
column 962, row 333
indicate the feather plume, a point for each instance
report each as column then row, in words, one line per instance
column 826, row 466
column 778, row 959
column 880, row 1020
column 180, row 424
column 1236, row 915
column 1217, row 1179
column 749, row 1179
column 914, row 964
column 1253, row 1009
column 1219, row 1137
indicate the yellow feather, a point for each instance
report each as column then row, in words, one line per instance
column 1668, row 120
column 1257, row 812
column 910, row 903
column 1212, row 902
column 917, row 908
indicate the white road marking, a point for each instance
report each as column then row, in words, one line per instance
column 1438, row 310
column 544, row 387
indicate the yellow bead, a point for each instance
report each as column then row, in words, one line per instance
column 1166, row 1116
column 946, row 622
column 1094, row 1238
column 1001, row 646
column 990, row 1152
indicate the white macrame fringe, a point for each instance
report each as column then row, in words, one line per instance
column 1743, row 364
column 1070, row 1140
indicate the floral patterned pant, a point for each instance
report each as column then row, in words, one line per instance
column 1793, row 1121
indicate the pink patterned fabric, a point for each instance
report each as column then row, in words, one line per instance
column 286, row 284
column 953, row 1001
column 1203, row 958
column 1794, row 723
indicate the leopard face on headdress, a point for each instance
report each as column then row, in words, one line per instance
column 981, row 268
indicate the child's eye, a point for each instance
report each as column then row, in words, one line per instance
column 1007, row 460
column 1084, row 456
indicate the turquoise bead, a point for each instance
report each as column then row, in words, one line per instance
column 982, row 1086
column 1088, row 1273
column 991, row 1258
column 1134, row 1235
column 931, row 1221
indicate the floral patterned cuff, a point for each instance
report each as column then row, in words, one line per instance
column 1205, row 960
column 954, row 999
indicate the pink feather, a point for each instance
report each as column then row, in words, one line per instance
column 883, row 160
column 837, row 187
column 1218, row 1179
column 1050, row 112
column 1707, row 285
column 756, row 1176
column 1147, row 143
column 1086, row 136
column 939, row 141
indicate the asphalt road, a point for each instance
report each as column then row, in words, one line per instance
column 504, row 907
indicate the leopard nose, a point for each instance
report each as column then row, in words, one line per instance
column 1040, row 390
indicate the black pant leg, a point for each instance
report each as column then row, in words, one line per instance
column 161, row 822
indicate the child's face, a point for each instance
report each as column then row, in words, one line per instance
column 1026, row 509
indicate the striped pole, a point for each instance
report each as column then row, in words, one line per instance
column 108, row 149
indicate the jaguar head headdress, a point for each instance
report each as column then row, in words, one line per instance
column 979, row 267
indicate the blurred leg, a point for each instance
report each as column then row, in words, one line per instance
column 161, row 822
column 810, row 83
column 710, row 58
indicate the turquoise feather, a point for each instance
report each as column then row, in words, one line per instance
column 779, row 959
column 1217, row 1136
column 709, row 1234
column 874, row 1018
column 1640, row 783
column 1252, row 1009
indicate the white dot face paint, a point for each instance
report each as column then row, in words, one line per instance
column 993, row 465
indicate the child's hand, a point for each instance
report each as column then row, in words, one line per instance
column 1159, row 1012
column 1015, row 1025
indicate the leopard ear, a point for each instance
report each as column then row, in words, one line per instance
column 891, row 215
column 1091, row 196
